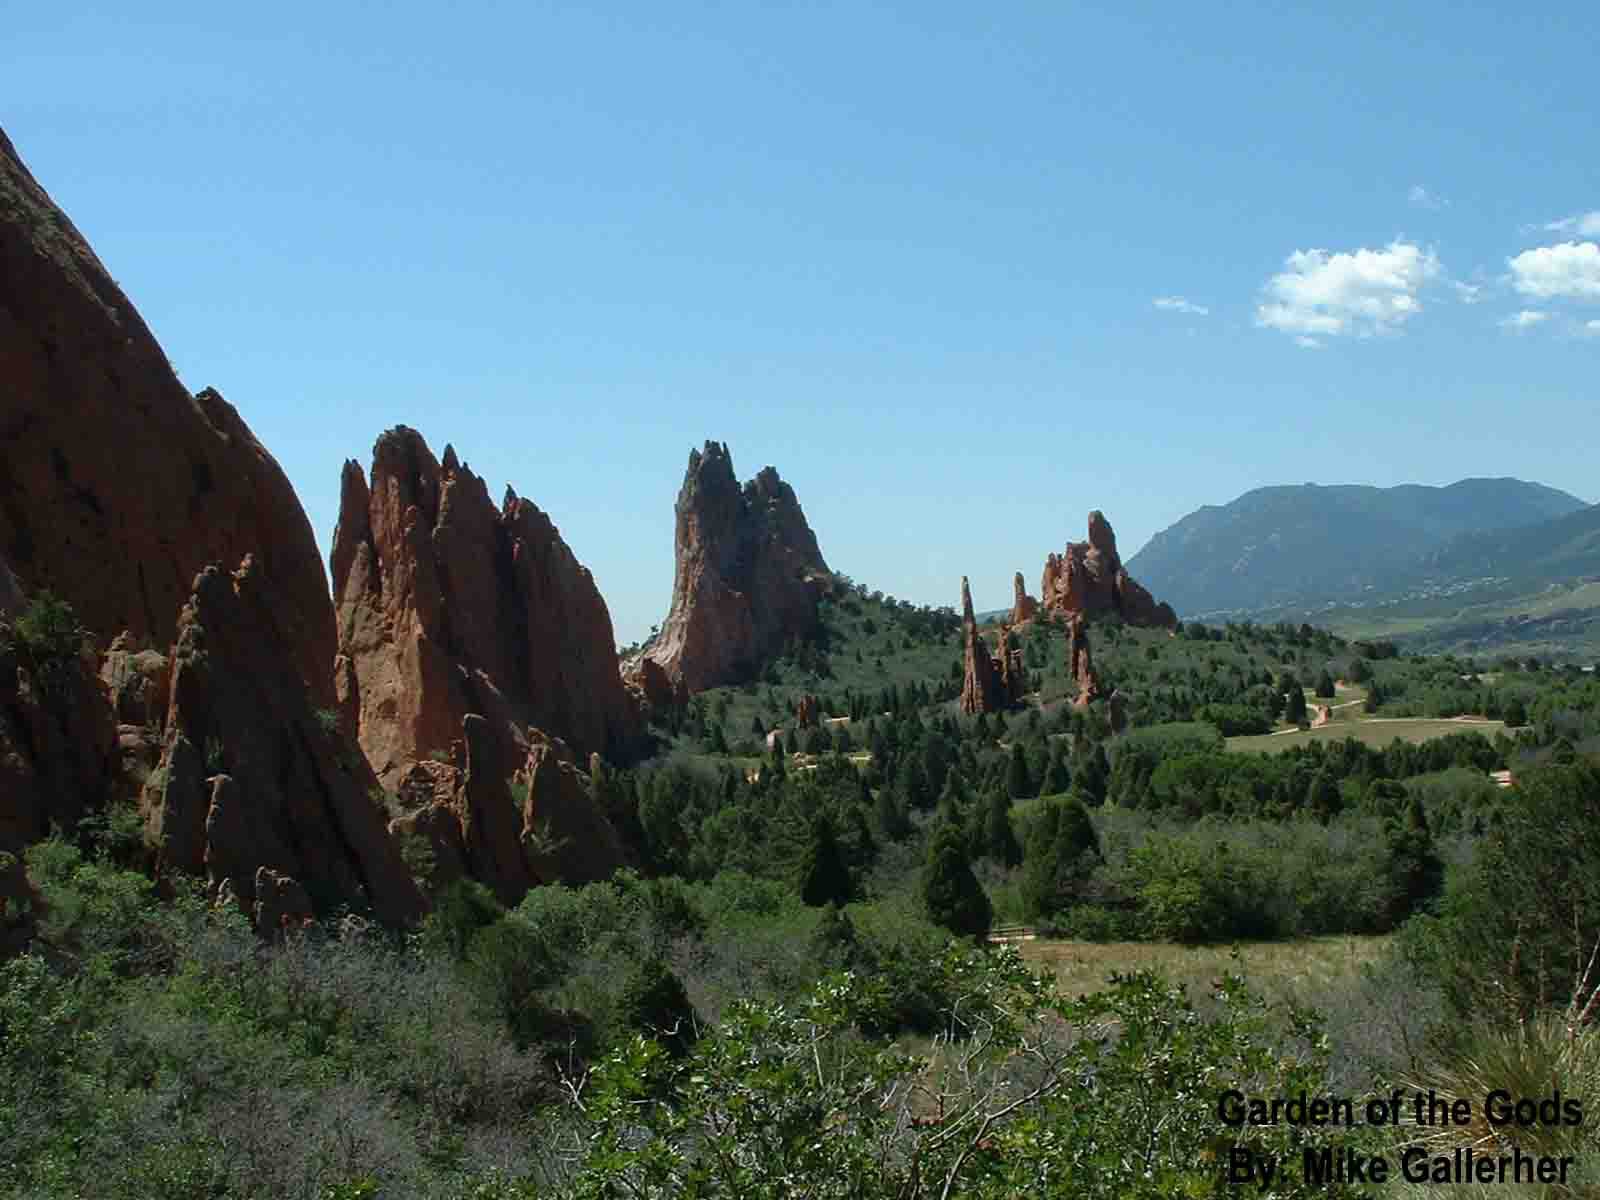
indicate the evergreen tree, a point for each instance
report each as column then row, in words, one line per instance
column 1322, row 796
column 1091, row 779
column 1062, row 849
column 1018, row 784
column 1325, row 688
column 1415, row 866
column 1057, row 777
column 893, row 825
column 1295, row 713
column 653, row 1002
column 953, row 896
column 999, row 838
column 913, row 782
column 824, row 875
column 835, row 942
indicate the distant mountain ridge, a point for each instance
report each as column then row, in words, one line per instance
column 1310, row 544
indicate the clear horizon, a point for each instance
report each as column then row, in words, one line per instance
column 959, row 277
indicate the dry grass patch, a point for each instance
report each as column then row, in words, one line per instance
column 1371, row 731
column 1279, row 970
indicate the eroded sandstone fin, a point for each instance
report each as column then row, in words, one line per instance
column 448, row 605
column 1088, row 578
column 747, row 576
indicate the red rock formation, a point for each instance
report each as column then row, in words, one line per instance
column 282, row 905
column 1088, row 578
column 57, row 744
column 470, row 822
column 980, row 689
column 253, row 775
column 805, row 712
column 1010, row 675
column 565, row 835
column 449, row 606
column 652, row 688
column 1080, row 663
column 117, row 485
column 1117, row 705
column 746, row 578
column 1023, row 606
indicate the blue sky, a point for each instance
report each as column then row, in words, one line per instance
column 961, row 272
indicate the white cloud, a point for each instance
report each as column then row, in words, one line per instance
column 1362, row 293
column 1591, row 329
column 1583, row 225
column 1179, row 304
column 1307, row 343
column 1469, row 293
column 1421, row 197
column 1526, row 319
column 1569, row 269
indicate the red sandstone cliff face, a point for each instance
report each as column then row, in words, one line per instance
column 1080, row 663
column 117, row 485
column 468, row 818
column 980, row 689
column 253, row 776
column 448, row 605
column 746, row 579
column 1023, row 606
column 1088, row 579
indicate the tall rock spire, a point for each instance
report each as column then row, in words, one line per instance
column 448, row 605
column 1088, row 578
column 747, row 576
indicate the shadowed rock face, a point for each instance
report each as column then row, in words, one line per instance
column 1088, row 579
column 57, row 746
column 254, row 776
column 1080, row 663
column 448, row 605
column 117, row 485
column 746, row 579
column 466, row 817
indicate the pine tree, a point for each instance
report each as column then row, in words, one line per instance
column 1091, row 779
column 953, row 896
column 1062, row 849
column 653, row 1002
column 824, row 875
column 893, row 824
column 999, row 838
column 1057, row 776
column 1018, row 784
column 1295, row 713
column 1325, row 688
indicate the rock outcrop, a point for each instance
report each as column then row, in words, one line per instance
column 1088, row 578
column 10, row 591
column 1010, row 675
column 253, row 775
column 746, row 578
column 805, row 712
column 1080, row 662
column 990, row 681
column 448, row 605
column 116, row 484
column 57, row 742
column 471, row 821
column 565, row 835
column 980, row 689
column 1023, row 606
